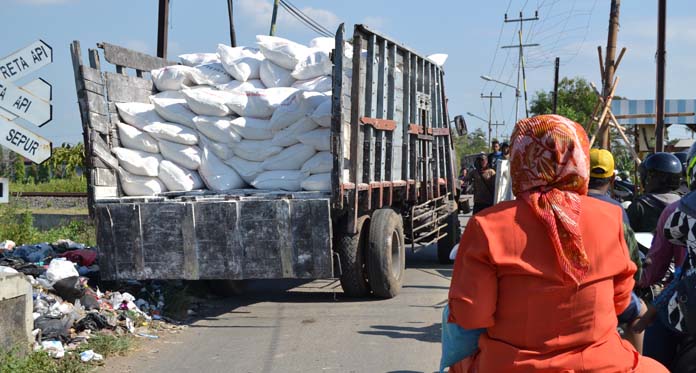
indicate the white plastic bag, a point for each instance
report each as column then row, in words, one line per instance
column 288, row 136
column 171, row 105
column 207, row 101
column 172, row 132
column 242, row 63
column 252, row 128
column 273, row 75
column 438, row 58
column 138, row 162
column 133, row 138
column 291, row 158
column 248, row 170
column 138, row 114
column 60, row 269
column 320, row 84
column 216, row 175
column 210, row 74
column 282, row 52
column 284, row 180
column 295, row 107
column 220, row 149
column 184, row 155
column 255, row 150
column 320, row 163
column 236, row 85
column 320, row 139
column 176, row 178
column 134, row 185
column 315, row 64
column 171, row 78
column 322, row 114
column 258, row 103
column 217, row 128
column 318, row 182
column 195, row 59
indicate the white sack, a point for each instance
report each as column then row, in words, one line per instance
column 138, row 162
column 284, row 180
column 195, row 59
column 320, row 84
column 217, row 128
column 438, row 58
column 289, row 135
column 320, row 163
column 134, row 185
column 322, row 114
column 179, row 179
column 138, row 114
column 217, row 175
column 171, row 78
column 254, row 150
column 184, row 155
column 133, row 138
column 291, row 158
column 295, row 107
column 60, row 269
column 171, row 105
column 210, row 74
column 207, row 101
column 241, row 62
column 238, row 86
column 319, row 139
column 315, row 64
column 318, row 182
column 258, row 103
column 172, row 132
column 220, row 149
column 247, row 170
column 273, row 75
column 282, row 52
column 252, row 128
column 323, row 43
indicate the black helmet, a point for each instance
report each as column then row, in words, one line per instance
column 683, row 157
column 690, row 169
column 662, row 172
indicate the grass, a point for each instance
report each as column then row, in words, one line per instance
column 109, row 345
column 73, row 184
column 16, row 224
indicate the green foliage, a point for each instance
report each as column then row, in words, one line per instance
column 472, row 143
column 39, row 361
column 576, row 100
column 19, row 169
column 109, row 344
column 16, row 224
column 72, row 184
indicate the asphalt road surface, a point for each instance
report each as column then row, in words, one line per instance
column 291, row 326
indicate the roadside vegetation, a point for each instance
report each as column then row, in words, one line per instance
column 16, row 224
column 63, row 172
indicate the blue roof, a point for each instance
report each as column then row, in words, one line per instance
column 624, row 107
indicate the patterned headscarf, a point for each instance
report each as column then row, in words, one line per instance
column 550, row 170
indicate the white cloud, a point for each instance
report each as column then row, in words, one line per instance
column 261, row 13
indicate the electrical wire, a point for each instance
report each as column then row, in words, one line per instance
column 305, row 19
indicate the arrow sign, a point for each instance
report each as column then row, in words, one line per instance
column 40, row 88
column 24, row 104
column 25, row 61
column 24, row 142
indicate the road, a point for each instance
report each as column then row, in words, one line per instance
column 282, row 326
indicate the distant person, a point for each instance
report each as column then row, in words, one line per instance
column 505, row 148
column 495, row 155
column 483, row 180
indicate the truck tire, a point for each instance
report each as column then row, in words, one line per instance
column 386, row 255
column 351, row 250
column 445, row 244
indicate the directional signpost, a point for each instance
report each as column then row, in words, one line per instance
column 31, row 102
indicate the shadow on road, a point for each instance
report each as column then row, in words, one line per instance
column 429, row 333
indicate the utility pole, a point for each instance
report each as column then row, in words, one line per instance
column 276, row 4
column 230, row 15
column 162, row 28
column 555, row 85
column 490, row 98
column 610, row 64
column 520, row 64
column 660, row 94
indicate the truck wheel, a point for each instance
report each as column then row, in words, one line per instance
column 445, row 244
column 386, row 258
column 351, row 250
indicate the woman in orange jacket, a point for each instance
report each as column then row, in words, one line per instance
column 547, row 273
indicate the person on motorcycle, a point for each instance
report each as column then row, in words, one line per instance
column 661, row 177
column 601, row 180
column 483, row 180
column 684, row 187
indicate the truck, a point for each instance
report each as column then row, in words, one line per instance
column 393, row 181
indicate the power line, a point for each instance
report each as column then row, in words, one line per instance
column 305, row 19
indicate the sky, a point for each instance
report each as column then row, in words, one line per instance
column 470, row 32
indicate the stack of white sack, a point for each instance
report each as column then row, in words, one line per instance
column 242, row 117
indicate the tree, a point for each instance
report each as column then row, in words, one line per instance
column 472, row 143
column 576, row 100
column 19, row 169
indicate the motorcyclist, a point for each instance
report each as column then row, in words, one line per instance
column 661, row 177
column 684, row 187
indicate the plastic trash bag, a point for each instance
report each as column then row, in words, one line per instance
column 457, row 343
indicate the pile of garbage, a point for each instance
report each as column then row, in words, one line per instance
column 243, row 116
column 69, row 307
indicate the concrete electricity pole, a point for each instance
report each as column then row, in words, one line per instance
column 490, row 98
column 610, row 64
column 274, row 17
column 520, row 65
